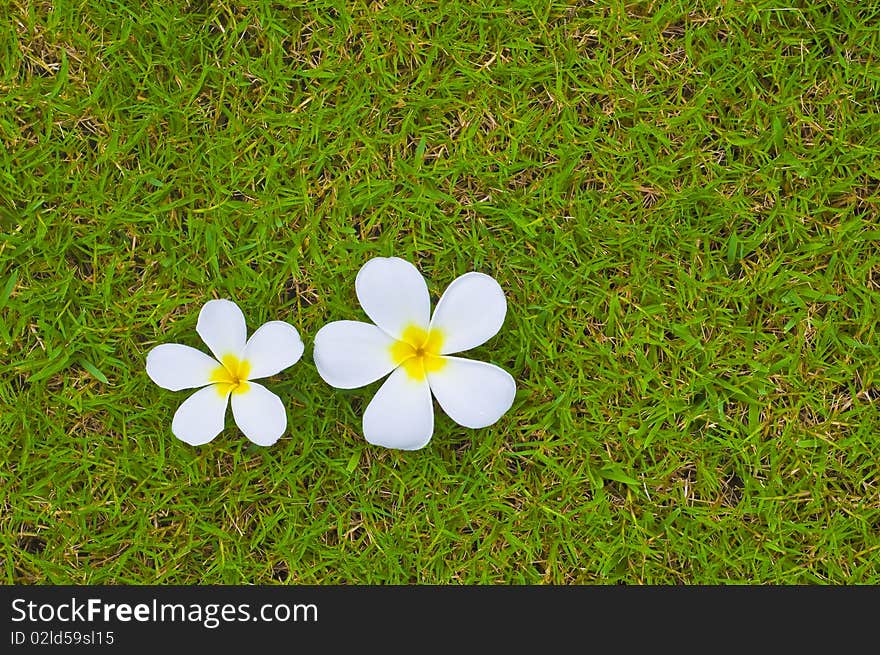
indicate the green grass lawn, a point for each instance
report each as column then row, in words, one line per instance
column 679, row 199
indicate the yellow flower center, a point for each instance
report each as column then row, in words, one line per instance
column 419, row 351
column 231, row 376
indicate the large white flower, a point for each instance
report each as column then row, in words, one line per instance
column 416, row 347
column 258, row 412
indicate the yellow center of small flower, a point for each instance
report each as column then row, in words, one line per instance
column 232, row 375
column 419, row 351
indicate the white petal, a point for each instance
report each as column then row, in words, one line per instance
column 473, row 394
column 350, row 354
column 469, row 313
column 401, row 414
column 393, row 294
column 175, row 366
column 201, row 416
column 272, row 348
column 260, row 414
column 221, row 326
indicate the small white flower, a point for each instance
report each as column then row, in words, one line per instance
column 416, row 347
column 258, row 412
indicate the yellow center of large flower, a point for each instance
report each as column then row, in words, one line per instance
column 419, row 351
column 232, row 375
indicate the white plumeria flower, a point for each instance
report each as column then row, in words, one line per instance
column 258, row 412
column 414, row 347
